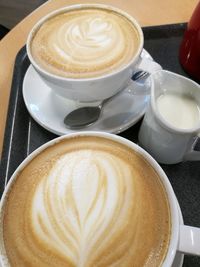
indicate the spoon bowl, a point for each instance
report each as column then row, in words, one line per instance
column 82, row 117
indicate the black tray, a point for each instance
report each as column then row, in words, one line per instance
column 23, row 135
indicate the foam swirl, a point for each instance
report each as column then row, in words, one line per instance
column 85, row 43
column 84, row 203
column 77, row 208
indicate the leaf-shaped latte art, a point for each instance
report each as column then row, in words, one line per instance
column 82, row 205
column 85, row 43
column 88, row 202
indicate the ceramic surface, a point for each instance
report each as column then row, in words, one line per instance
column 167, row 142
column 123, row 111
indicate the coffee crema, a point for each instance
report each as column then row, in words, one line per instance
column 85, row 43
column 85, row 202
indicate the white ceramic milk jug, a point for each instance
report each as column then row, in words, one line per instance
column 172, row 120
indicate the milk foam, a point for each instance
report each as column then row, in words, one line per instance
column 87, row 202
column 85, row 43
column 79, row 202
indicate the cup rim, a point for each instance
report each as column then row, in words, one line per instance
column 175, row 224
column 79, row 6
column 158, row 116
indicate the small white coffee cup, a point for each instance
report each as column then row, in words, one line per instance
column 183, row 238
column 88, row 89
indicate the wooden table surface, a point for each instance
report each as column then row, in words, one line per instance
column 147, row 12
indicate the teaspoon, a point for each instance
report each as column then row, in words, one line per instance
column 85, row 116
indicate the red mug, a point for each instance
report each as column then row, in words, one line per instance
column 190, row 46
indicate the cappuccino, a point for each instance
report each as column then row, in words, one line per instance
column 85, row 42
column 87, row 201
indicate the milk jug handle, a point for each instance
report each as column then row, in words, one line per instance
column 192, row 155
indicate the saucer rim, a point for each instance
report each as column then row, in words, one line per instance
column 116, row 130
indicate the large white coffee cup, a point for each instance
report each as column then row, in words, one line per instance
column 183, row 238
column 89, row 89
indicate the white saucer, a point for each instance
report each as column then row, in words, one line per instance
column 119, row 114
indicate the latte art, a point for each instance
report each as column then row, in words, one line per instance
column 87, row 202
column 87, row 207
column 85, row 43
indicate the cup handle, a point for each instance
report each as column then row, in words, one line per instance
column 146, row 63
column 189, row 241
column 192, row 155
column 139, row 87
